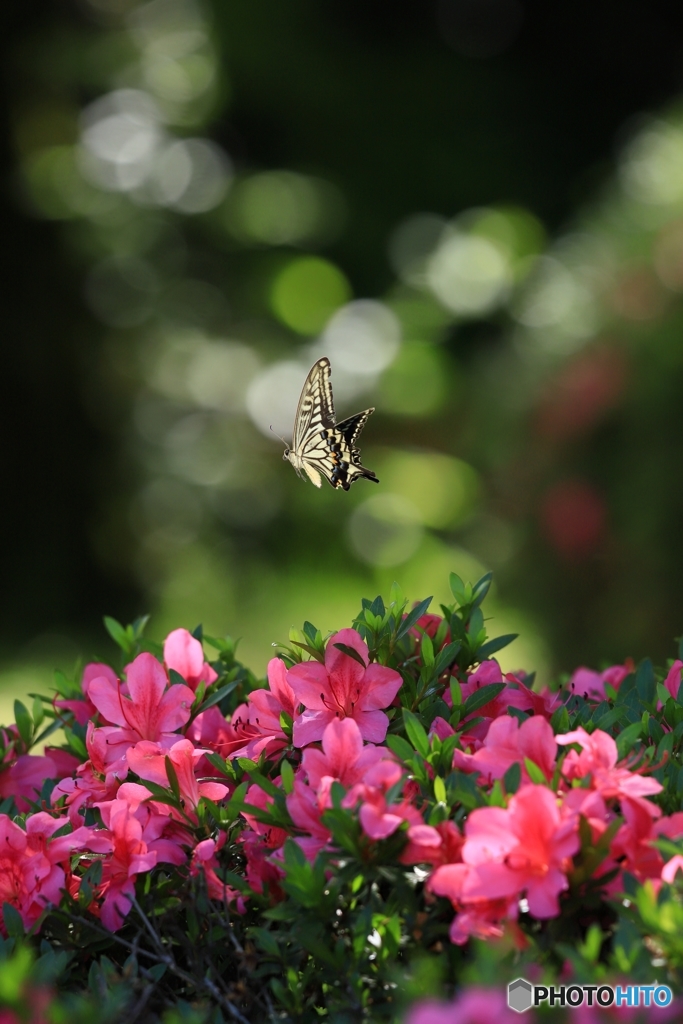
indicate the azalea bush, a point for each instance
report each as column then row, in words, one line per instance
column 388, row 827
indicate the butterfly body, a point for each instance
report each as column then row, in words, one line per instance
column 320, row 446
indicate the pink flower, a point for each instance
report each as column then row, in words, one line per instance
column 590, row 684
column 205, row 862
column 673, row 679
column 598, row 758
column 433, row 844
column 184, row 654
column 524, row 848
column 484, row 675
column 83, row 710
column 473, row 1006
column 256, row 724
column 506, row 743
column 148, row 761
column 154, row 711
column 128, row 857
column 343, row 688
column 343, row 758
column 31, row 871
column 380, row 819
column 23, row 778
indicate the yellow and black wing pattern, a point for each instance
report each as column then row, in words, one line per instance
column 320, row 446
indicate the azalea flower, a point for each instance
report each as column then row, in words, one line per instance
column 83, row 710
column 344, row 757
column 343, row 688
column 507, row 743
column 184, row 654
column 598, row 758
column 591, row 685
column 153, row 711
column 380, row 819
column 148, row 761
column 255, row 726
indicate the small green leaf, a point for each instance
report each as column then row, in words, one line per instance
column 457, row 588
column 427, row 650
column 456, row 692
column 287, row 776
column 479, row 698
column 13, row 921
column 24, row 722
column 497, row 644
column 534, row 772
column 440, row 789
column 512, row 778
column 351, row 652
column 38, row 712
column 401, row 747
column 172, row 778
column 118, row 634
column 411, row 618
column 645, row 681
column 416, row 732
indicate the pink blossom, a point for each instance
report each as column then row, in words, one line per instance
column 433, row 844
column 343, row 688
column 204, row 861
column 257, row 723
column 84, row 709
column 590, row 684
column 184, row 654
column 598, row 758
column 23, row 778
column 671, row 868
column 154, row 711
column 32, row 874
column 343, row 758
column 473, row 1006
column 148, row 761
column 128, row 857
column 484, row 675
column 524, row 848
column 673, row 679
column 506, row 743
column 380, row 819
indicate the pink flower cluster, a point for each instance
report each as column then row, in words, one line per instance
column 329, row 719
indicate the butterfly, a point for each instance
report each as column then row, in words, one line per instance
column 320, row 445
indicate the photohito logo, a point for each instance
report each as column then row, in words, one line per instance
column 522, row 995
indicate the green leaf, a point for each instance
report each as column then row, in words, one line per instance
column 24, row 722
column 628, row 737
column 287, row 776
column 446, row 657
column 13, row 922
column 401, row 747
column 313, row 651
column 457, row 588
column 534, row 772
column 411, row 618
column 416, row 732
column 645, row 681
column 512, row 778
column 481, row 588
column 456, row 692
column 351, row 652
column 216, row 697
column 440, row 789
column 427, row 650
column 118, row 634
column 479, row 698
column 560, row 720
column 497, row 644
column 172, row 777
column 38, row 712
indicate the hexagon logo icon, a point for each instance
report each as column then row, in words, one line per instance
column 520, row 995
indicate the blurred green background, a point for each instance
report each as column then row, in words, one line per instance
column 474, row 207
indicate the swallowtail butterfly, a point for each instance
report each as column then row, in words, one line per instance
column 320, row 445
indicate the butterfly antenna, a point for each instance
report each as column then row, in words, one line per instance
column 281, row 438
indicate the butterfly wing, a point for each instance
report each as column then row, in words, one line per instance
column 315, row 410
